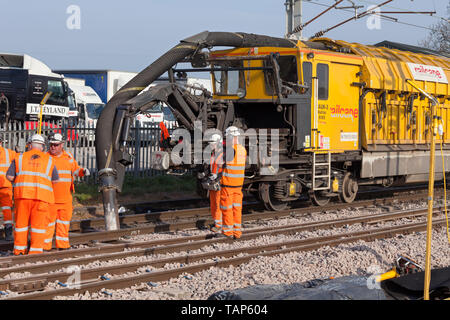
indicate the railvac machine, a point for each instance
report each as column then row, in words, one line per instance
column 344, row 114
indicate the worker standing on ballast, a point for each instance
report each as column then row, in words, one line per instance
column 33, row 174
column 61, row 211
column 6, row 190
column 214, row 177
column 232, row 181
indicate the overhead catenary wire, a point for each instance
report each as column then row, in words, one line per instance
column 301, row 26
column 403, row 9
column 358, row 16
column 381, row 16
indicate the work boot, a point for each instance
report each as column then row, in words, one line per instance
column 9, row 232
column 215, row 229
column 222, row 235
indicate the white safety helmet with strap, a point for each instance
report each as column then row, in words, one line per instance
column 37, row 138
column 56, row 138
column 215, row 138
column 232, row 131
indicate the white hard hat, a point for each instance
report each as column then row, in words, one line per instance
column 215, row 138
column 37, row 138
column 232, row 131
column 56, row 138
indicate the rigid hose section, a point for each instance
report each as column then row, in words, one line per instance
column 104, row 131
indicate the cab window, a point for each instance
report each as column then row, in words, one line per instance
column 227, row 82
column 307, row 77
column 288, row 74
column 322, row 75
column 58, row 96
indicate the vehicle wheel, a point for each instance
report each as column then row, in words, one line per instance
column 349, row 189
column 266, row 191
column 319, row 199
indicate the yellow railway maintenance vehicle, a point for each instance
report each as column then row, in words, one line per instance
column 345, row 114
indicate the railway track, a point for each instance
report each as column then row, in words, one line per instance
column 49, row 270
column 85, row 232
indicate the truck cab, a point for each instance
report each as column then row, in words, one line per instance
column 24, row 81
column 89, row 105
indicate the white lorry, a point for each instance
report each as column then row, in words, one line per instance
column 88, row 103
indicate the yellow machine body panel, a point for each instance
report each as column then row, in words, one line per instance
column 334, row 101
column 392, row 111
column 396, row 118
column 335, row 110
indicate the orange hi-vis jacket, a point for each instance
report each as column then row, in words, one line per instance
column 67, row 168
column 6, row 157
column 234, row 171
column 215, row 165
column 33, row 179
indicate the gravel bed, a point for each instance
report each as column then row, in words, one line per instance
column 357, row 258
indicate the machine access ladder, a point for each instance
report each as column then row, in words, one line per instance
column 318, row 165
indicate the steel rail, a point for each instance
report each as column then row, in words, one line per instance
column 86, row 238
column 253, row 252
column 182, row 244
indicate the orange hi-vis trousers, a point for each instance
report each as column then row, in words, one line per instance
column 231, row 206
column 216, row 212
column 6, row 204
column 59, row 217
column 30, row 214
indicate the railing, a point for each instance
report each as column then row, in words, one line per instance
column 80, row 142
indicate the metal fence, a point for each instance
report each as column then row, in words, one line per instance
column 80, row 142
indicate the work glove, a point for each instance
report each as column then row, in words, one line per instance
column 213, row 176
column 86, row 171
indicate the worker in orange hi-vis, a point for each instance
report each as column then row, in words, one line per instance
column 6, row 190
column 164, row 140
column 33, row 174
column 233, row 175
column 215, row 168
column 61, row 211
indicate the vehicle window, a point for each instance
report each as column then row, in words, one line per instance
column 81, row 114
column 227, row 82
column 322, row 74
column 168, row 115
column 94, row 110
column 71, row 101
column 288, row 74
column 58, row 96
column 307, row 76
column 156, row 108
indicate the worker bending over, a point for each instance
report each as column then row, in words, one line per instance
column 61, row 211
column 232, row 181
column 33, row 174
column 215, row 174
column 6, row 190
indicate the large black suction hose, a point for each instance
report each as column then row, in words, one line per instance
column 104, row 131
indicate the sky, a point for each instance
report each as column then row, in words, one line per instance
column 130, row 35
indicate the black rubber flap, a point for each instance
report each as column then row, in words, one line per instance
column 344, row 288
column 411, row 286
